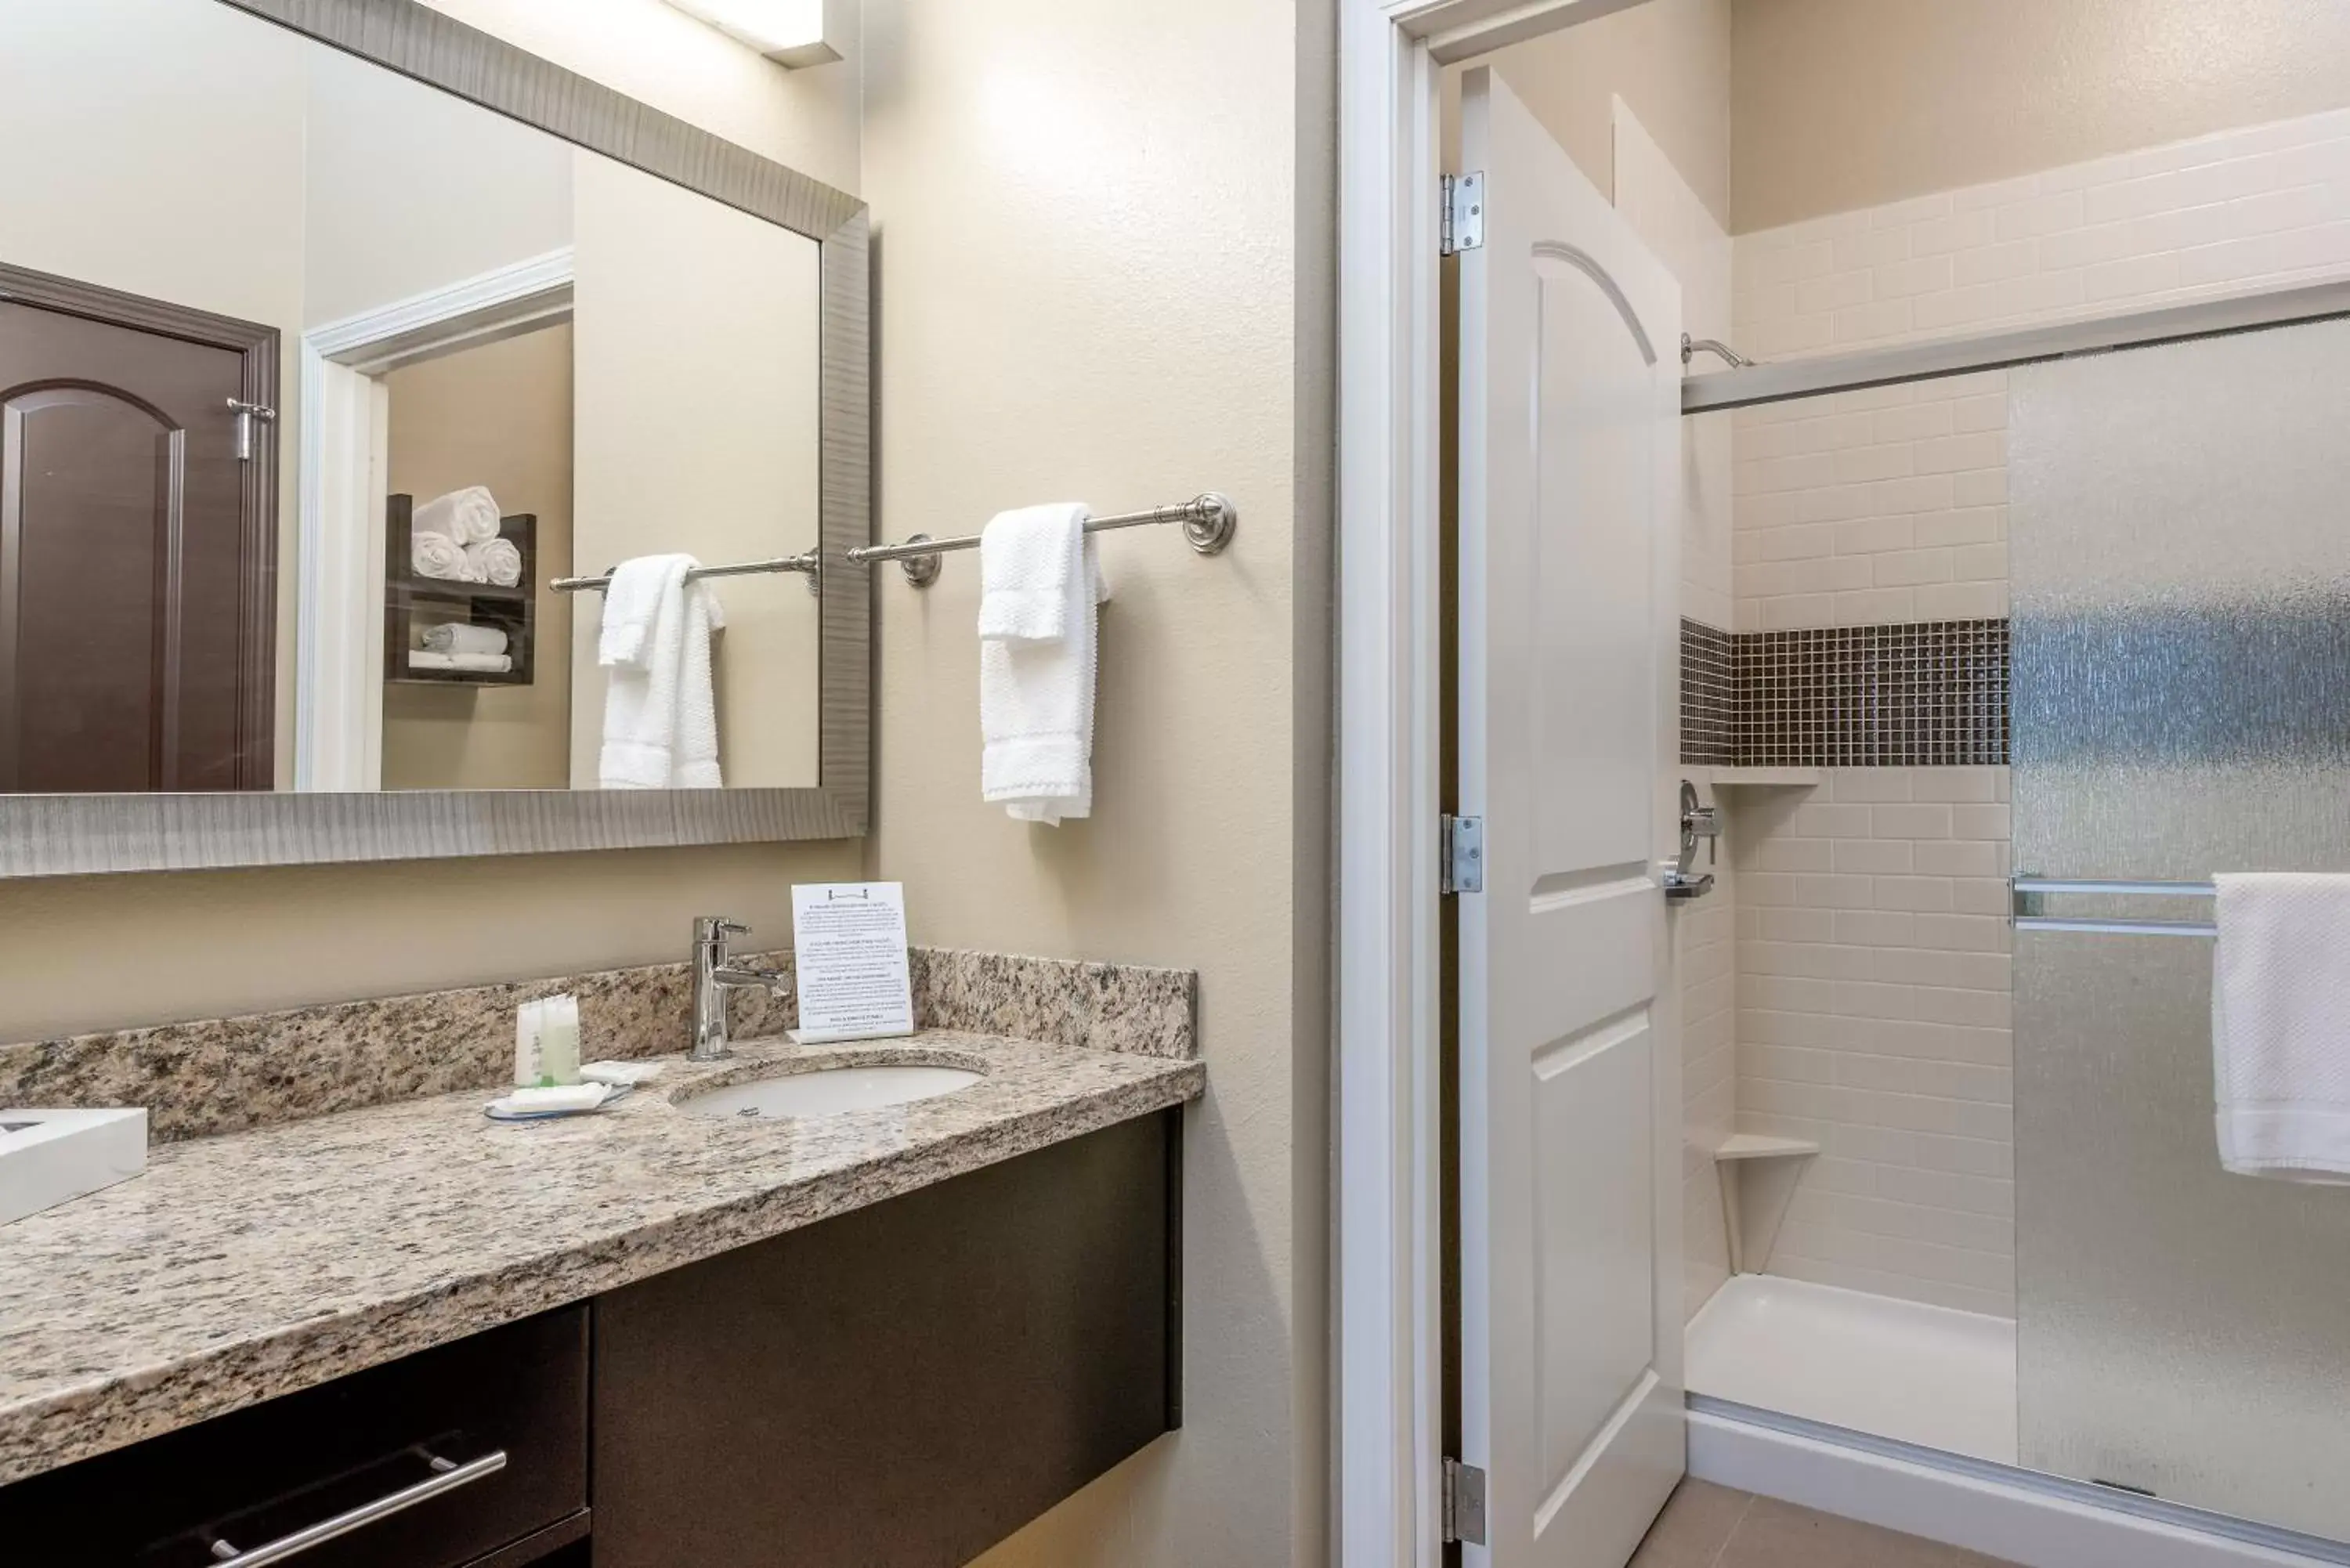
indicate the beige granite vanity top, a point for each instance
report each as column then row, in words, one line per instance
column 249, row 1265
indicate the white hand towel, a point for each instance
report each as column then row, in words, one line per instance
column 2281, row 1025
column 1024, row 572
column 456, row 637
column 495, row 561
column 438, row 556
column 1036, row 701
column 470, row 515
column 661, row 712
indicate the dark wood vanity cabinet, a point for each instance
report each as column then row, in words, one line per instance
column 334, row 1452
column 899, row 1386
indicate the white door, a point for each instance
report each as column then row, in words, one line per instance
column 1570, row 1079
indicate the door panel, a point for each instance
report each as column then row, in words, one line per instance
column 1570, row 1205
column 128, row 584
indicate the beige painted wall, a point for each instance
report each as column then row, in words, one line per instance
column 1853, row 103
column 500, row 416
column 214, row 942
column 1100, row 286
column 697, row 377
column 1669, row 61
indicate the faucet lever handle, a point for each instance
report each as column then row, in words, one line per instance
column 717, row 929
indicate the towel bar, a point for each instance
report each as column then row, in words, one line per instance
column 2025, row 916
column 806, row 562
column 1208, row 522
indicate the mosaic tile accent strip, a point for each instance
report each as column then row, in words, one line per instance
column 211, row 1076
column 1709, row 695
column 1924, row 693
column 1916, row 694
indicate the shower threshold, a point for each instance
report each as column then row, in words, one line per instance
column 1928, row 1376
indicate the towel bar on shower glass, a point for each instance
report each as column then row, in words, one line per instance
column 1208, row 522
column 2023, row 893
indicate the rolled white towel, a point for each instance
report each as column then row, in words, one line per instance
column 470, row 515
column 497, row 561
column 438, row 556
column 455, row 636
column 477, row 663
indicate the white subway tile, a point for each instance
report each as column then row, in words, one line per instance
column 1916, row 821
column 1922, row 274
column 1867, row 323
column 1999, row 193
column 1979, row 562
column 1908, row 569
column 1833, row 291
column 1981, row 487
column 1926, row 894
column 1962, row 858
column 1876, row 248
column 1987, row 411
column 1955, row 786
column 1875, row 606
column 1875, row 534
column 1997, row 262
column 1988, row 822
column 1966, row 525
column 1967, row 231
column 1868, row 787
column 1874, row 857
column 2098, row 242
column 1916, row 210
column 2043, row 214
column 1962, row 601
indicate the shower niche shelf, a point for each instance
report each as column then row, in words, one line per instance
column 1767, row 778
column 1752, row 1212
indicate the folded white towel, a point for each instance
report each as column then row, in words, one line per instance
column 620, row 1075
column 1024, row 572
column 1036, row 696
column 479, row 663
column 496, row 561
column 456, row 637
column 2281, row 1025
column 470, row 515
column 661, row 710
column 438, row 556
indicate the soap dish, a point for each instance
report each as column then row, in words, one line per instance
column 499, row 1111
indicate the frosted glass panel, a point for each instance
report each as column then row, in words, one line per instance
column 2181, row 539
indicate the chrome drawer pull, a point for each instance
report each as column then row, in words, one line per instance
column 448, row 1477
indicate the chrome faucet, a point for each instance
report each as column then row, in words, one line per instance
column 715, row 974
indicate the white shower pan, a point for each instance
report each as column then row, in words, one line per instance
column 1925, row 1375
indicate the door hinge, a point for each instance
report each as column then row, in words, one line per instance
column 1463, row 225
column 1464, row 1504
column 1464, row 855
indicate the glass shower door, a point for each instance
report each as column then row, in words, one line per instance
column 2181, row 542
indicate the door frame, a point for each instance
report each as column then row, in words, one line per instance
column 345, row 453
column 257, row 349
column 1388, row 1225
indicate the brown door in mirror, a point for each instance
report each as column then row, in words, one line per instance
column 134, row 581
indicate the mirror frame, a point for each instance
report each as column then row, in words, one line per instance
column 60, row 835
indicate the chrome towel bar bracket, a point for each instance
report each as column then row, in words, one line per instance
column 2026, row 892
column 1208, row 520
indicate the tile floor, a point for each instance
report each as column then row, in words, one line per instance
column 1707, row 1526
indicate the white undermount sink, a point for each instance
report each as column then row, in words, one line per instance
column 828, row 1091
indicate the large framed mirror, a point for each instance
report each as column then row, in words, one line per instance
column 345, row 352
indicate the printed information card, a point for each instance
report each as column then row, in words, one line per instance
column 848, row 942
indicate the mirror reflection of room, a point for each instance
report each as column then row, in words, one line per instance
column 330, row 468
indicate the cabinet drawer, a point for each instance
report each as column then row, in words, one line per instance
column 432, row 1427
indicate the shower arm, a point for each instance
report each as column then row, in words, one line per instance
column 1693, row 346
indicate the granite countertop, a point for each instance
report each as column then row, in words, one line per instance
column 249, row 1265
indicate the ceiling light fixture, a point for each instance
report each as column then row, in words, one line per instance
column 789, row 32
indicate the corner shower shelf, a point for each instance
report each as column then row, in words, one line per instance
column 1730, row 1157
column 1802, row 778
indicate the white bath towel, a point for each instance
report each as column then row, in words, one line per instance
column 440, row 556
column 661, row 712
column 496, row 561
column 1024, row 570
column 456, row 637
column 1036, row 695
column 478, row 663
column 470, row 515
column 2281, row 1025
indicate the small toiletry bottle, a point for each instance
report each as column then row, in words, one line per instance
column 530, row 1032
column 558, row 1042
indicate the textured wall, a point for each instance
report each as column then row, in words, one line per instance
column 1098, row 285
column 1842, row 103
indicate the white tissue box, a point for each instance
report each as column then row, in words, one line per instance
column 50, row 1157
